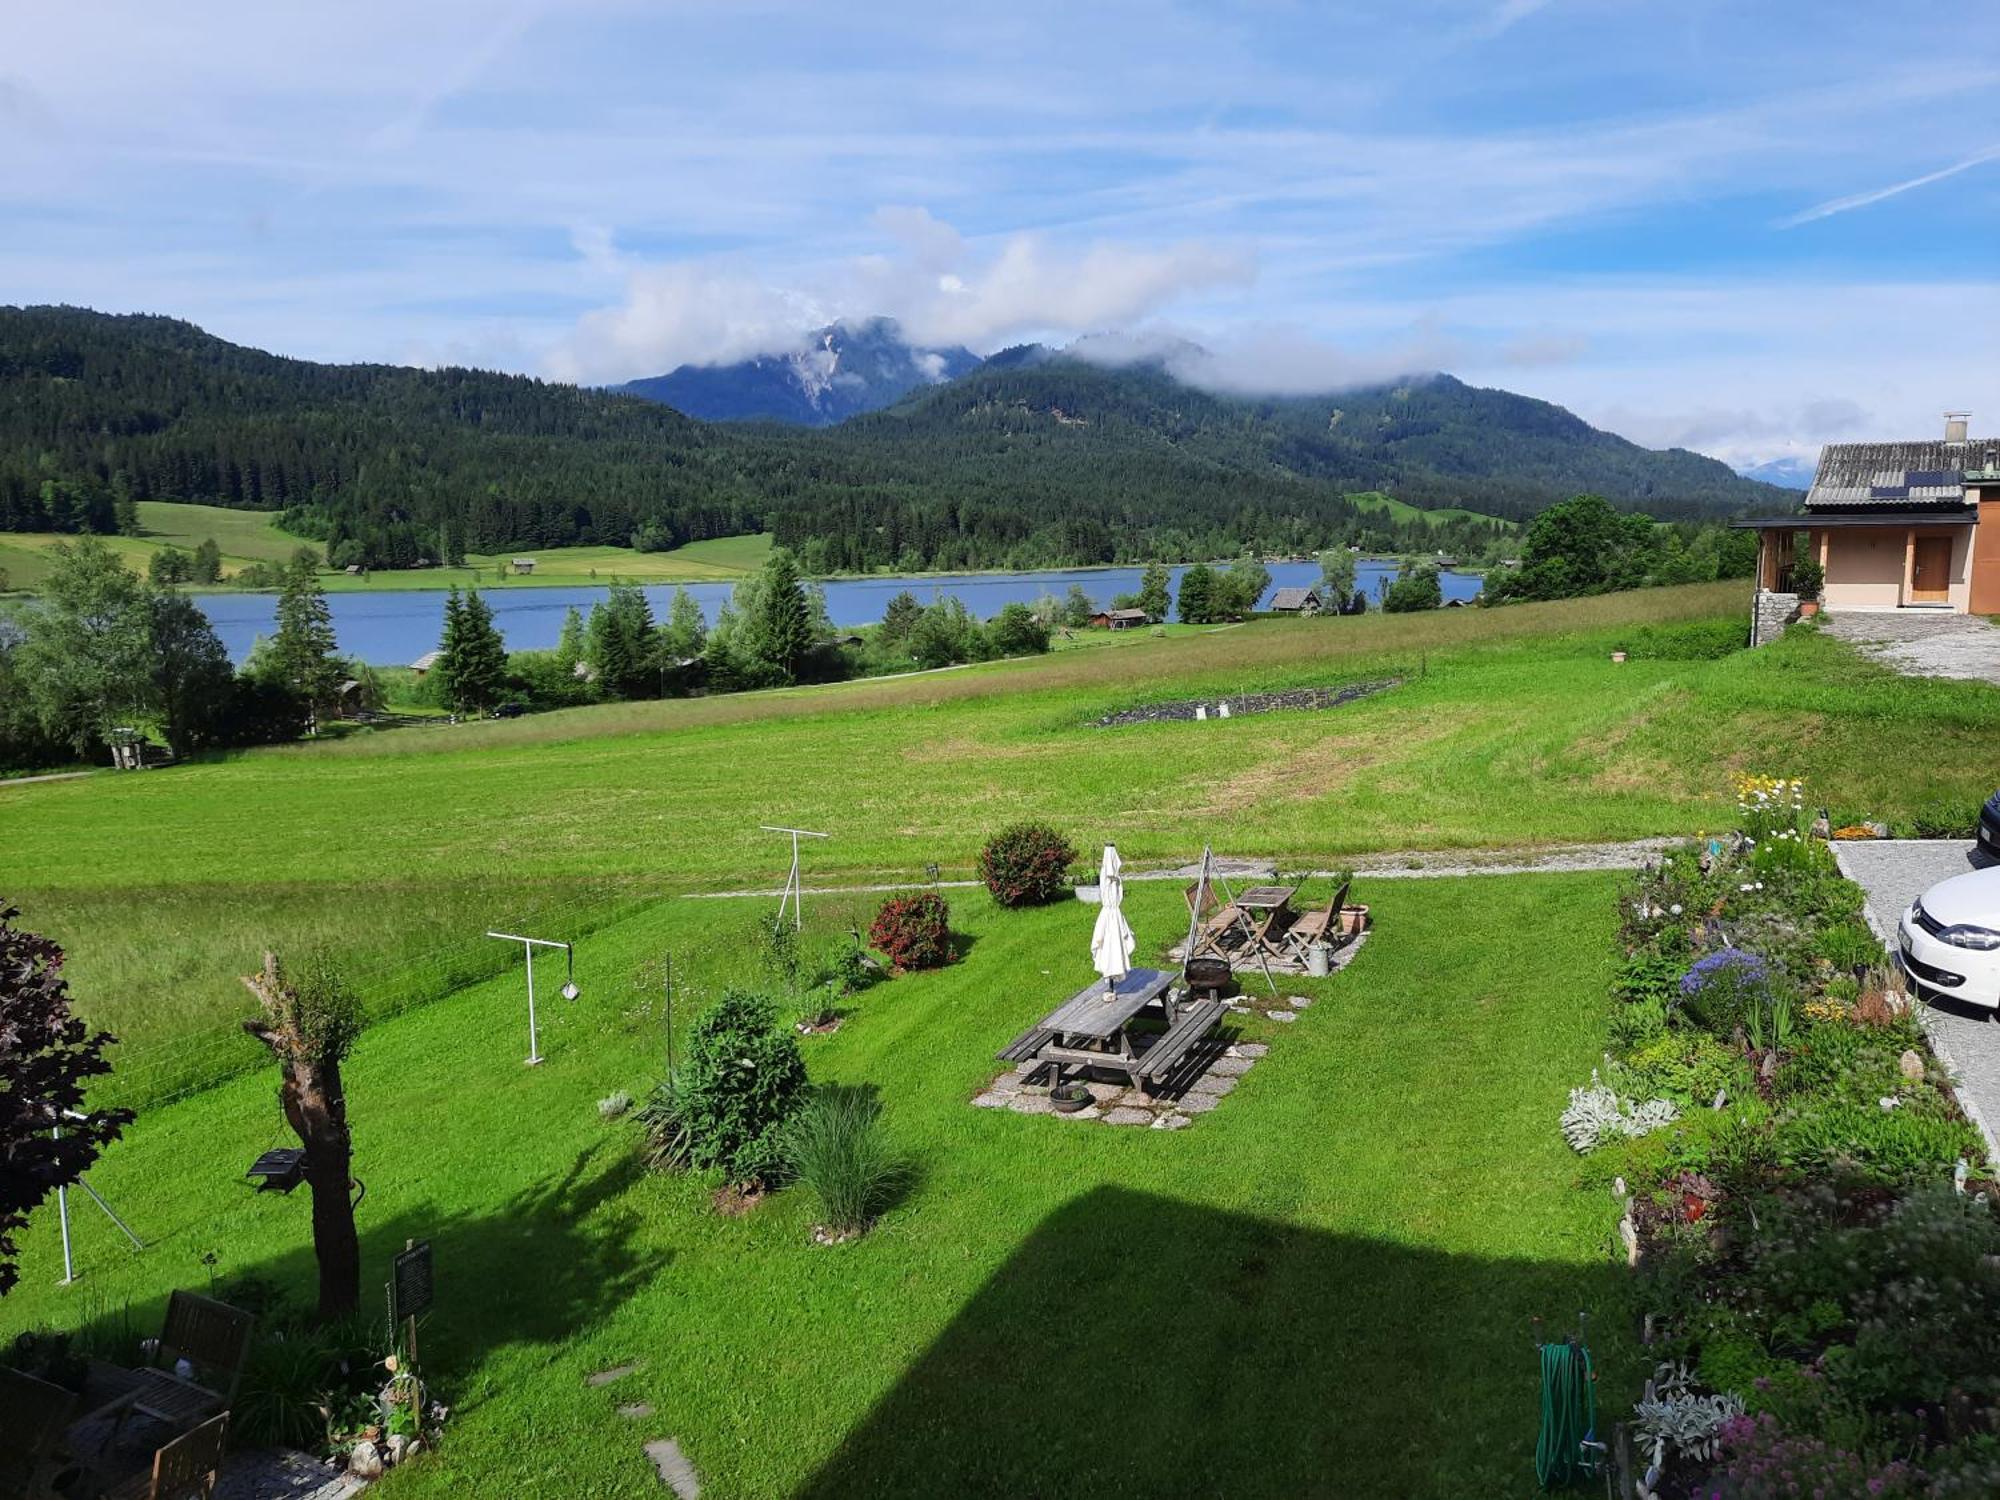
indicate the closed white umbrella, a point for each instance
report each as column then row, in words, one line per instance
column 1111, row 943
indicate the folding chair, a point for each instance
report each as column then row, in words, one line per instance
column 186, row 1468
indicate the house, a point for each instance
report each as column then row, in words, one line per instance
column 524, row 565
column 1119, row 619
column 1303, row 601
column 425, row 662
column 1913, row 525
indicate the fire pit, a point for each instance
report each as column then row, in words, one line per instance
column 1209, row 976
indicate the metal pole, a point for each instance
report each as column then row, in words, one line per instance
column 534, row 1052
column 62, row 1210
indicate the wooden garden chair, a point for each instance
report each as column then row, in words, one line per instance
column 1269, row 935
column 37, row 1413
column 1321, row 925
column 211, row 1336
column 1217, row 920
column 186, row 1468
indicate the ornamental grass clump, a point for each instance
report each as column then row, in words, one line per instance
column 913, row 932
column 835, row 1147
column 1026, row 864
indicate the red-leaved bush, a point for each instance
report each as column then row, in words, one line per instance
column 913, row 932
column 1026, row 864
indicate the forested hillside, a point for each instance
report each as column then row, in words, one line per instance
column 1030, row 460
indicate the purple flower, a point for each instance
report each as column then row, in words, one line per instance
column 1736, row 964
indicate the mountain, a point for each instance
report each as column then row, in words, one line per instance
column 1788, row 473
column 843, row 370
column 1037, row 458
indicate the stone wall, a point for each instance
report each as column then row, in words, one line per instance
column 1770, row 613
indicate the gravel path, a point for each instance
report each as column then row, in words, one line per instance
column 1894, row 872
column 1923, row 643
column 1409, row 864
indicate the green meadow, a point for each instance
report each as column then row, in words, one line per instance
column 1323, row 1286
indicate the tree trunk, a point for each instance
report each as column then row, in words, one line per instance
column 316, row 1108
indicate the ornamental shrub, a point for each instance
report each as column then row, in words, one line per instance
column 1761, row 1459
column 724, row 1110
column 1026, row 864
column 1724, row 987
column 913, row 932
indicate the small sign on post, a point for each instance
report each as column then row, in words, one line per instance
column 410, row 1289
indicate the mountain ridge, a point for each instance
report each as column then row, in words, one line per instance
column 842, row 370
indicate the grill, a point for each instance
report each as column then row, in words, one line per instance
column 1928, row 922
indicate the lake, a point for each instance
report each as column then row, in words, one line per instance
column 395, row 627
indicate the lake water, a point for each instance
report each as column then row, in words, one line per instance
column 393, row 627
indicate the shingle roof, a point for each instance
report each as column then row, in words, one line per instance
column 1127, row 614
column 425, row 662
column 1293, row 598
column 1901, row 474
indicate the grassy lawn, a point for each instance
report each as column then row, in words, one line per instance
column 1511, row 727
column 1324, row 1286
column 247, row 536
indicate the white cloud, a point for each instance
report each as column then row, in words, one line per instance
column 1262, row 360
column 1834, row 206
column 943, row 289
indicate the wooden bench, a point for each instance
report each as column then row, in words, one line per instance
column 1179, row 1039
column 1027, row 1046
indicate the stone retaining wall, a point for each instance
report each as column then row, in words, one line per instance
column 1770, row 613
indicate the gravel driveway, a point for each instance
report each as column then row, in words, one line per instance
column 1894, row 872
column 1922, row 643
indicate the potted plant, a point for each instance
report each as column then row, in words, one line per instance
column 1068, row 1098
column 1808, row 578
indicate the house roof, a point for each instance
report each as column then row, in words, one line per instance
column 1871, row 475
column 1882, row 514
column 1294, row 598
column 425, row 662
column 1124, row 614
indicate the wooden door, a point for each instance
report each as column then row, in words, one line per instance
column 1930, row 570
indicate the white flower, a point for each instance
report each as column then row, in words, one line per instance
column 1675, row 908
column 1744, row 887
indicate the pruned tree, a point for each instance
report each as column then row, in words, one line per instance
column 310, row 1021
column 46, row 1053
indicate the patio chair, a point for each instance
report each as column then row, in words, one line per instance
column 211, row 1336
column 1217, row 921
column 1269, row 936
column 37, row 1414
column 1320, row 925
column 187, row 1467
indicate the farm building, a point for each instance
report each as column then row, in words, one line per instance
column 1119, row 619
column 425, row 662
column 1297, row 601
column 524, row 565
column 1911, row 525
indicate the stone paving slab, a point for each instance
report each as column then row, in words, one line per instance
column 1893, row 873
column 1922, row 642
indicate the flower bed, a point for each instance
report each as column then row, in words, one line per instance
column 1806, row 1203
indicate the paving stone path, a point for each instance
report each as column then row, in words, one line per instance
column 1922, row 643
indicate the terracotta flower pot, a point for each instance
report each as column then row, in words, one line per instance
column 1808, row 608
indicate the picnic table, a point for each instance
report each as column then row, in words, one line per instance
column 1093, row 1029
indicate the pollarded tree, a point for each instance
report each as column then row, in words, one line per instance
column 46, row 1053
column 310, row 1021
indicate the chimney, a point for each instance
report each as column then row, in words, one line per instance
column 1954, row 425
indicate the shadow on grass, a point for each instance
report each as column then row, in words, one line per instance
column 543, row 1268
column 1138, row 1346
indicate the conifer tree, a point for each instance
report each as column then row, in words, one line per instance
column 785, row 633
column 472, row 669
column 686, row 631
column 569, row 645
column 302, row 650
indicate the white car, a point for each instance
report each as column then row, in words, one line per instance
column 1949, row 939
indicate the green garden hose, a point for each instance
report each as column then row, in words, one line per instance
column 1569, row 1414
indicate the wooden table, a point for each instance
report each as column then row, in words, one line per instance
column 1093, row 1027
column 1267, row 898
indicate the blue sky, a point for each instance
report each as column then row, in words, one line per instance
column 1748, row 228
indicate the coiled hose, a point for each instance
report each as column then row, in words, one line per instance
column 1569, row 1414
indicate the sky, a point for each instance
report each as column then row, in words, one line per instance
column 1747, row 229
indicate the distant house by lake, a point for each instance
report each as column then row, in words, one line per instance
column 1119, row 619
column 425, row 662
column 1297, row 601
column 524, row 565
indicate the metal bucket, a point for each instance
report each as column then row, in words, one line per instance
column 1319, row 960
